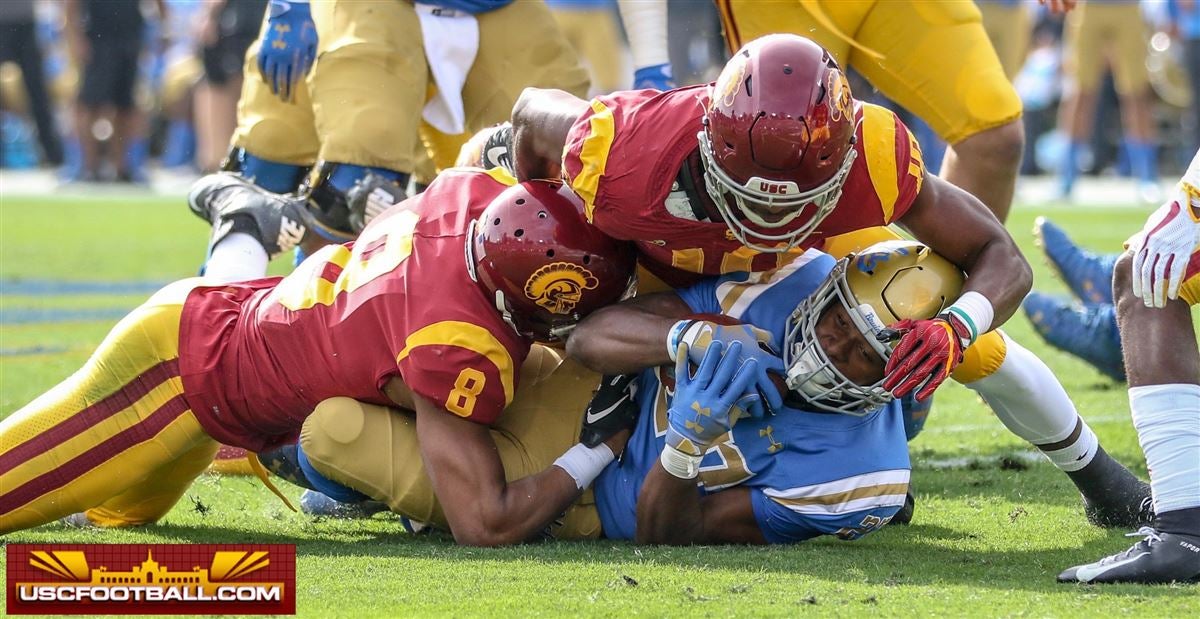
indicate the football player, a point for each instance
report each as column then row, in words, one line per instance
column 388, row 80
column 898, row 46
column 831, row 460
column 777, row 155
column 398, row 317
column 1156, row 283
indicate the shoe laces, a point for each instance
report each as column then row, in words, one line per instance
column 1150, row 535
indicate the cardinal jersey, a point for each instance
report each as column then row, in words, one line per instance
column 808, row 473
column 633, row 158
column 257, row 357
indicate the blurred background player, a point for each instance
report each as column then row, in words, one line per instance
column 1008, row 27
column 1156, row 283
column 106, row 37
column 227, row 30
column 898, row 46
column 1185, row 19
column 1099, row 35
column 19, row 44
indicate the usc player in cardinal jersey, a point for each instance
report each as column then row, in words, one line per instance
column 398, row 317
column 777, row 156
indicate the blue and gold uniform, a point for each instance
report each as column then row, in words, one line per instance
column 809, row 473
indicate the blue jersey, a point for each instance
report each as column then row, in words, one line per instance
column 809, row 473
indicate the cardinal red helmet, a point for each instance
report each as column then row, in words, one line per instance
column 545, row 266
column 778, row 140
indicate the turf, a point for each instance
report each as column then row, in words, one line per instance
column 993, row 525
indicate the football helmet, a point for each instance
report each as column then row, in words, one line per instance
column 778, row 140
column 881, row 285
column 543, row 264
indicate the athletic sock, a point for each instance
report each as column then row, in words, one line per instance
column 1142, row 160
column 236, row 258
column 1167, row 419
column 1179, row 521
column 1069, row 169
column 1032, row 404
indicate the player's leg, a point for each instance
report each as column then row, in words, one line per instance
column 273, row 146
column 593, row 33
column 1083, row 67
column 1164, row 397
column 1132, row 80
column 971, row 105
column 1030, row 401
column 368, row 88
column 158, row 492
column 501, row 72
column 107, row 428
column 1008, row 28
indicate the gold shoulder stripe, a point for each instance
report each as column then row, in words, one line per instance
column 501, row 176
column 593, row 156
column 879, row 145
column 467, row 336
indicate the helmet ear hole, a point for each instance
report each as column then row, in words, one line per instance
column 542, row 215
column 749, row 85
column 519, row 232
column 520, row 200
column 549, row 253
column 587, row 258
column 496, row 221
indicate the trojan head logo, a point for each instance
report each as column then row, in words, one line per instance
column 730, row 80
column 559, row 286
column 841, row 102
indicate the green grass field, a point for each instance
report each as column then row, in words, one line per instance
column 992, row 527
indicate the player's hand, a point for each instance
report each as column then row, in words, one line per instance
column 703, row 407
column 288, row 47
column 1163, row 248
column 699, row 335
column 927, row 353
column 656, row 76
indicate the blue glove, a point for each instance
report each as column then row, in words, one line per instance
column 656, row 76
column 699, row 335
column 704, row 407
column 288, row 48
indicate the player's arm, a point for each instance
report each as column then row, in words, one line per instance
column 482, row 508
column 672, row 511
column 957, row 226
column 541, row 119
column 704, row 408
column 629, row 336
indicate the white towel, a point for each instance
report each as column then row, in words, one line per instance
column 451, row 42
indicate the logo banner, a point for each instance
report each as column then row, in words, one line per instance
column 143, row 579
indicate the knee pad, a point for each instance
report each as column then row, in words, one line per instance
column 270, row 175
column 344, row 197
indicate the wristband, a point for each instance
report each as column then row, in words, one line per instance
column 975, row 312
column 584, row 464
column 676, row 335
column 679, row 464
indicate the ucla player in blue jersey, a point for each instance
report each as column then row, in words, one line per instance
column 706, row 459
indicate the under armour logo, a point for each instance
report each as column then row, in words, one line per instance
column 290, row 234
column 775, row 445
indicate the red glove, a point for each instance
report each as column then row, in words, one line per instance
column 927, row 353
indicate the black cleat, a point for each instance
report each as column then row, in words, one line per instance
column 905, row 515
column 612, row 409
column 1160, row 558
column 233, row 204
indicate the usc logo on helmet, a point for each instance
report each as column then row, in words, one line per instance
column 841, row 100
column 725, row 90
column 559, row 286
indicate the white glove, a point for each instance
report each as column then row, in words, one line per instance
column 1164, row 246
